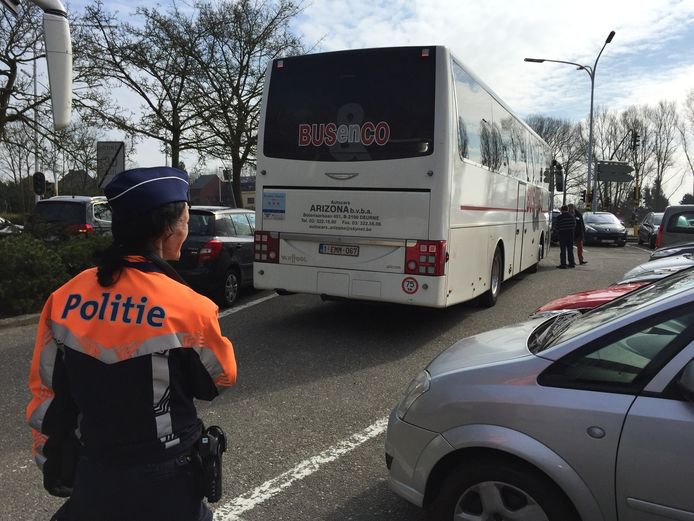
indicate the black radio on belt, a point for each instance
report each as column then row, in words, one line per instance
column 212, row 444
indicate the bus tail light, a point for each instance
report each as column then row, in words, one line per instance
column 210, row 250
column 426, row 258
column 267, row 247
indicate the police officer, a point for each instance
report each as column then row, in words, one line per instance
column 121, row 352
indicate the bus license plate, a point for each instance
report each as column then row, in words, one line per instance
column 339, row 249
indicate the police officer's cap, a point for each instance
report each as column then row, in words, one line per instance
column 140, row 190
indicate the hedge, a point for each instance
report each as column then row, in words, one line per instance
column 31, row 269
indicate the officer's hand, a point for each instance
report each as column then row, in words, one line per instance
column 60, row 491
column 56, row 487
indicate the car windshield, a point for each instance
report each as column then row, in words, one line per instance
column 566, row 326
column 64, row 211
column 600, row 218
column 657, row 218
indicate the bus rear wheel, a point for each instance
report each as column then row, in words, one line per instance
column 488, row 299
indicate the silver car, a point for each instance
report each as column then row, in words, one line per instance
column 661, row 267
column 573, row 417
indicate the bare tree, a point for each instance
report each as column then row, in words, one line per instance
column 234, row 43
column 16, row 161
column 20, row 48
column 686, row 130
column 147, row 59
column 663, row 118
column 563, row 138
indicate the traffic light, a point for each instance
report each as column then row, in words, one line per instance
column 635, row 140
column 559, row 178
column 39, row 181
column 583, row 196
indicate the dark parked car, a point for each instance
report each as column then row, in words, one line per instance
column 217, row 257
column 72, row 214
column 648, row 229
column 603, row 228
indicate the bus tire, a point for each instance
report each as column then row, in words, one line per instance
column 536, row 266
column 488, row 299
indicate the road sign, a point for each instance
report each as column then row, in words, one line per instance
column 110, row 160
column 615, row 171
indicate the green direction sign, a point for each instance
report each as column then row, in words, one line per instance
column 615, row 171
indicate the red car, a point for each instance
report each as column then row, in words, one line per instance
column 587, row 300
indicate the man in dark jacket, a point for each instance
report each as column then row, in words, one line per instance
column 579, row 233
column 566, row 224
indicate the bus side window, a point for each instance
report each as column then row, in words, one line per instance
column 475, row 112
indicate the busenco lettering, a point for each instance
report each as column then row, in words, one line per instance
column 114, row 310
column 368, row 133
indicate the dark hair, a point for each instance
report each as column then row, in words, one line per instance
column 132, row 235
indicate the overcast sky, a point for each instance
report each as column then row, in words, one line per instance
column 650, row 58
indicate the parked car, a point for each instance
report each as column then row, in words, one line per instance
column 648, row 229
column 677, row 225
column 563, row 418
column 72, row 214
column 586, row 300
column 670, row 251
column 662, row 267
column 9, row 228
column 604, row 227
column 217, row 257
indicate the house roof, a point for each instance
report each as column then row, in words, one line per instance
column 203, row 181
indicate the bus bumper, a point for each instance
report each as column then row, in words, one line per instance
column 399, row 288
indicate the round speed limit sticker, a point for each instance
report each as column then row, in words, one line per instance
column 410, row 285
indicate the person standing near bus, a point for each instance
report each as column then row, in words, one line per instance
column 579, row 233
column 121, row 352
column 566, row 224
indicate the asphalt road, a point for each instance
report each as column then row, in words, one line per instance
column 316, row 381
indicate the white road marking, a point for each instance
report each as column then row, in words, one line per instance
column 231, row 510
column 230, row 311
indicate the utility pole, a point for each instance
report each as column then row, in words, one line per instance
column 36, row 121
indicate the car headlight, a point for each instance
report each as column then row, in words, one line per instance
column 589, row 228
column 417, row 387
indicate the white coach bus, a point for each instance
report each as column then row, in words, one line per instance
column 394, row 175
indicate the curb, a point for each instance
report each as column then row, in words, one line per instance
column 21, row 320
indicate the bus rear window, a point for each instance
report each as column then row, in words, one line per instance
column 363, row 105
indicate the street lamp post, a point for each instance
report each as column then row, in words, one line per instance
column 591, row 72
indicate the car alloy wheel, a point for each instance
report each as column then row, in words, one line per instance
column 499, row 489
column 496, row 500
column 231, row 288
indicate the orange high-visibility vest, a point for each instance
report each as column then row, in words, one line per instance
column 120, row 365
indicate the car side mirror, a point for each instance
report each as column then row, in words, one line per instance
column 685, row 382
